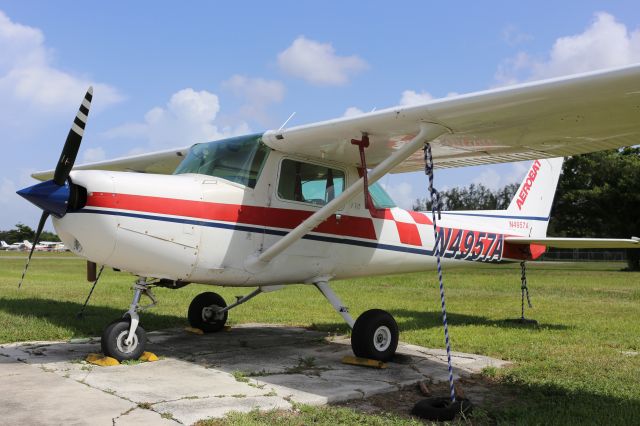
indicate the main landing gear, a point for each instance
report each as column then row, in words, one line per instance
column 374, row 334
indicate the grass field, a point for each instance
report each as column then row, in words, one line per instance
column 580, row 366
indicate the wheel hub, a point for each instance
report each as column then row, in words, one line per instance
column 382, row 338
column 210, row 313
column 121, row 343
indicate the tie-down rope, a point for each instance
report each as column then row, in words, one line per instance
column 436, row 205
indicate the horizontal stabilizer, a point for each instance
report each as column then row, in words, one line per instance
column 578, row 243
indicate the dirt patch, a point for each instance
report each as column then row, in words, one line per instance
column 485, row 394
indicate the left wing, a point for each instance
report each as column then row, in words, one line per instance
column 160, row 162
column 606, row 243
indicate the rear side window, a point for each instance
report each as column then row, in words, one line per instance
column 309, row 183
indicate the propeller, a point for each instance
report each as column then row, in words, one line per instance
column 53, row 196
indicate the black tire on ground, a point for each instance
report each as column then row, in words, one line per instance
column 114, row 337
column 375, row 335
column 203, row 319
column 440, row 409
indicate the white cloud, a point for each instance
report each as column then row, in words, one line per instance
column 411, row 97
column 513, row 36
column 91, row 155
column 318, row 63
column 518, row 170
column 401, row 193
column 27, row 73
column 489, row 178
column 605, row 43
column 257, row 93
column 352, row 112
column 188, row 118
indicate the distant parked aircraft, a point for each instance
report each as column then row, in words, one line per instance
column 14, row 246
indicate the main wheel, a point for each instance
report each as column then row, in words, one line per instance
column 375, row 335
column 114, row 338
column 202, row 312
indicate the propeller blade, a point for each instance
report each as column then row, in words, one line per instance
column 43, row 219
column 74, row 138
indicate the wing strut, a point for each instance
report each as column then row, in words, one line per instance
column 428, row 132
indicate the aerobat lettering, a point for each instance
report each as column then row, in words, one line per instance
column 531, row 178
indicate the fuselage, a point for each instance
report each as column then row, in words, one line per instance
column 200, row 228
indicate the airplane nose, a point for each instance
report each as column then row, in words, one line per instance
column 82, row 228
column 49, row 196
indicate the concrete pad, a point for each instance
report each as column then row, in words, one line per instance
column 251, row 366
column 31, row 396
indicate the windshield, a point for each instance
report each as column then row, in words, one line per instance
column 381, row 199
column 238, row 159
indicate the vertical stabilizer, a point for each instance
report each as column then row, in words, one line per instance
column 536, row 192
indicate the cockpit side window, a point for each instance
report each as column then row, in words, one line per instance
column 238, row 160
column 309, row 183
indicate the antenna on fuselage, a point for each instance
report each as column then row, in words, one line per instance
column 288, row 119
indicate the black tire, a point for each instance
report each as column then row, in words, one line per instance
column 113, row 340
column 375, row 335
column 440, row 409
column 199, row 318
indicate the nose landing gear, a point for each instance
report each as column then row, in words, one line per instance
column 124, row 338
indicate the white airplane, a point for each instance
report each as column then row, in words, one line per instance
column 302, row 205
column 50, row 246
column 11, row 247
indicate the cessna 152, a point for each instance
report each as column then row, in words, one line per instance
column 301, row 205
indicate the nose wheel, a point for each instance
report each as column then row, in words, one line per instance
column 115, row 340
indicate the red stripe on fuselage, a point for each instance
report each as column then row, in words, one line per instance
column 352, row 226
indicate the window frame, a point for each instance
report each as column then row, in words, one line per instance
column 312, row 162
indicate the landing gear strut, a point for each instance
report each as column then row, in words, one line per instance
column 374, row 334
column 124, row 339
column 208, row 311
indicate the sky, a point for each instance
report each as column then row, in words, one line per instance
column 168, row 74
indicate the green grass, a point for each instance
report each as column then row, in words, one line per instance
column 569, row 370
column 307, row 415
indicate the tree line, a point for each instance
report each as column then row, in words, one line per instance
column 23, row 232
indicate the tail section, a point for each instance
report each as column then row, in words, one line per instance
column 3, row 244
column 534, row 197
